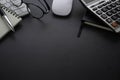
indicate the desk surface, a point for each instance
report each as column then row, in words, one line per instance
column 50, row 49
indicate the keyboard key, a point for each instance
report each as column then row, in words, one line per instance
column 114, row 11
column 109, row 20
column 118, row 2
column 105, row 4
column 113, row 5
column 94, row 9
column 118, row 8
column 115, row 24
column 114, row 17
column 104, row 16
column 104, row 9
column 108, row 7
column 100, row 6
column 99, row 12
column 109, row 13
column 109, row 2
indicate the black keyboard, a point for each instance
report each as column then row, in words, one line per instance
column 109, row 12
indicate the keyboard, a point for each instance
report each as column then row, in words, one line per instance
column 21, row 11
column 109, row 12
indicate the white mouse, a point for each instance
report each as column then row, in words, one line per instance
column 62, row 7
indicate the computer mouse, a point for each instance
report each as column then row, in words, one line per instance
column 62, row 7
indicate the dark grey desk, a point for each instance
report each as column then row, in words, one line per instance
column 50, row 50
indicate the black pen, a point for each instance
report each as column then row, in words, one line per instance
column 3, row 14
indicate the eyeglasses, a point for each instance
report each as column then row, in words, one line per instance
column 35, row 10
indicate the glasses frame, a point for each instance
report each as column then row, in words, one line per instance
column 46, row 7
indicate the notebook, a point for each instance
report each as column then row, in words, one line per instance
column 13, row 17
column 21, row 10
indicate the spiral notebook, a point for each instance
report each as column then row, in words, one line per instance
column 14, row 19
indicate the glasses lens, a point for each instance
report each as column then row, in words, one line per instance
column 16, row 2
column 35, row 11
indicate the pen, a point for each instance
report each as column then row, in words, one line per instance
column 3, row 14
column 97, row 26
column 93, row 25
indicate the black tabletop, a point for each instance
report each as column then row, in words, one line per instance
column 50, row 49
